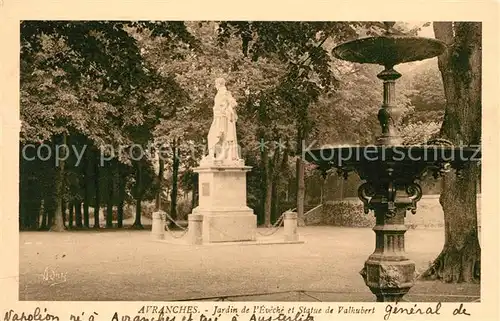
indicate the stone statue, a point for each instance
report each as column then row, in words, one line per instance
column 231, row 141
column 218, row 127
column 222, row 214
column 222, row 140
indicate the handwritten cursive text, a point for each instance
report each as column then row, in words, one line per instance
column 37, row 315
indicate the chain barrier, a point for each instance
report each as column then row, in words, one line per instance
column 184, row 230
column 273, row 229
column 175, row 223
column 276, row 226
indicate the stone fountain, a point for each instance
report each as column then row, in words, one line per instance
column 389, row 169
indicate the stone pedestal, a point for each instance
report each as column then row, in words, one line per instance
column 290, row 227
column 195, row 231
column 222, row 202
column 388, row 272
column 158, row 225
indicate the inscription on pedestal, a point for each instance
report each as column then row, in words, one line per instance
column 205, row 189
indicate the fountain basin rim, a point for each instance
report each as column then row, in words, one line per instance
column 389, row 50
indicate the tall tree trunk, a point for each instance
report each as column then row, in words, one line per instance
column 268, row 187
column 322, row 195
column 58, row 222
column 175, row 179
column 271, row 169
column 50, row 218
column 78, row 214
column 29, row 202
column 71, row 207
column 86, row 218
column 342, row 181
column 138, row 197
column 301, row 190
column 64, row 208
column 275, row 200
column 50, row 200
column 97, row 190
column 194, row 194
column 86, row 190
column 35, row 222
column 109, row 203
column 159, row 182
column 279, row 174
column 121, row 194
column 43, row 215
column 460, row 68
column 292, row 189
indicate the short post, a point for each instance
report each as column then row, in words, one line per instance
column 158, row 225
column 290, row 227
column 195, row 229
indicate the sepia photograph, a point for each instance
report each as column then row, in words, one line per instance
column 282, row 161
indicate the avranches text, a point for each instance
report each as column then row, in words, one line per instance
column 169, row 309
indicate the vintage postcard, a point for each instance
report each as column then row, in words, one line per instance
column 260, row 161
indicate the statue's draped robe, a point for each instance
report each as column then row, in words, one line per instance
column 218, row 129
column 231, row 138
column 222, row 140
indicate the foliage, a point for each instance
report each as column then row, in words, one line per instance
column 428, row 85
column 419, row 133
column 348, row 115
column 116, row 83
column 346, row 214
column 427, row 94
column 87, row 80
column 66, row 65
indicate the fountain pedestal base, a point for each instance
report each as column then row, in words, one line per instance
column 390, row 189
column 388, row 280
column 388, row 272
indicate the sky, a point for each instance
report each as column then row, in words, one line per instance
column 427, row 32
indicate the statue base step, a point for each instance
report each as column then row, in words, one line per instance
column 208, row 162
column 228, row 225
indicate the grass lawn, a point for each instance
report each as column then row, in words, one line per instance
column 128, row 265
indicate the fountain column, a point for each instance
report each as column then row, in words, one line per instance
column 389, row 189
column 388, row 272
column 390, row 114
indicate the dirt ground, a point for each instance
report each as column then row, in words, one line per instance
column 128, row 265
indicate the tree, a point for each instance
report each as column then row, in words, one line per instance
column 88, row 79
column 425, row 93
column 419, row 133
column 303, row 47
column 196, row 72
column 460, row 67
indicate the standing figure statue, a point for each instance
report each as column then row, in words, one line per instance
column 218, row 127
column 222, row 142
column 231, row 141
